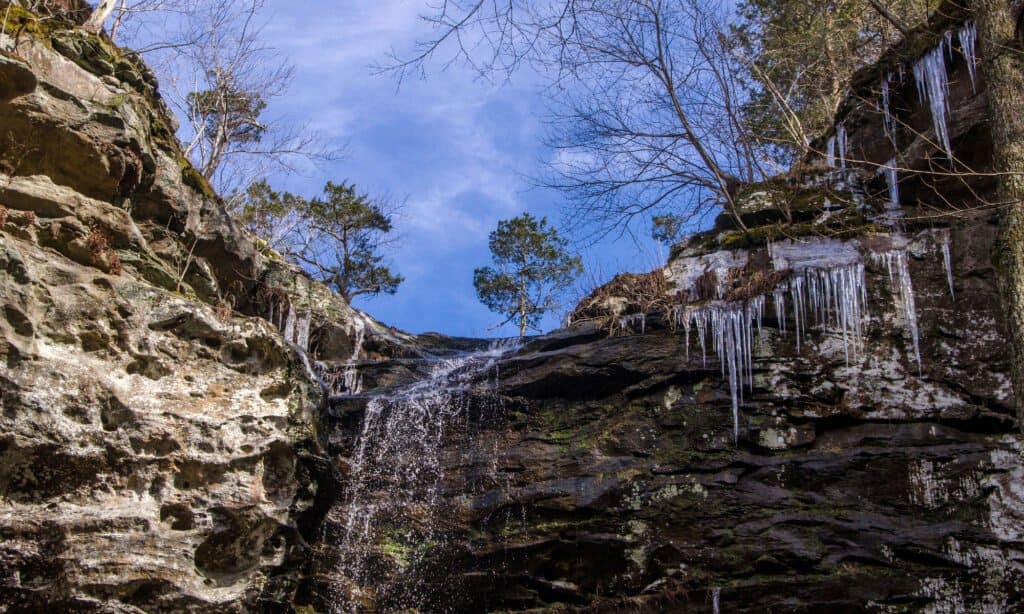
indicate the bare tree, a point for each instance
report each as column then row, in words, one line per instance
column 221, row 78
column 221, row 84
column 648, row 117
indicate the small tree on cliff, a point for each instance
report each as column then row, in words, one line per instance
column 338, row 239
column 533, row 266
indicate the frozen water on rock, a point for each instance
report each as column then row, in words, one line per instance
column 289, row 325
column 947, row 263
column 893, row 213
column 842, row 142
column 302, row 331
column 392, row 506
column 834, row 297
column 684, row 272
column 887, row 118
column 892, row 180
column 731, row 325
column 830, row 152
column 933, row 88
column 896, row 264
column 968, row 44
column 351, row 379
column 629, row 322
column 813, row 252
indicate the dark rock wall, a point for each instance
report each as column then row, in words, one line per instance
column 609, row 480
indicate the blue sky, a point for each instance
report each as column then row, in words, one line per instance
column 459, row 151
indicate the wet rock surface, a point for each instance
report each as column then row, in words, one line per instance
column 600, row 472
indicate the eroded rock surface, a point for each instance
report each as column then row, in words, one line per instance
column 158, row 436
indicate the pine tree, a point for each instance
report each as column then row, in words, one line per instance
column 532, row 266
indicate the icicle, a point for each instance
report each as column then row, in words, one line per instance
column 779, row 299
column 350, row 378
column 947, row 262
column 968, row 43
column 903, row 293
column 842, row 143
column 716, row 598
column 933, row 87
column 888, row 121
column 289, row 325
column 830, row 152
column 627, row 322
column 302, row 332
column 892, row 179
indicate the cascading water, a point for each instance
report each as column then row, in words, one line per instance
column 392, row 514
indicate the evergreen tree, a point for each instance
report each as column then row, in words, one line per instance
column 801, row 54
column 532, row 266
column 337, row 237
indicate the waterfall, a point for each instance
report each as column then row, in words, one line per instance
column 392, row 514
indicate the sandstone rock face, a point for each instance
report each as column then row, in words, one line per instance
column 158, row 436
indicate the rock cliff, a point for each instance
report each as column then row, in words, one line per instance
column 810, row 414
column 158, row 436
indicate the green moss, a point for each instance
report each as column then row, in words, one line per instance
column 195, row 180
column 21, row 21
column 397, row 551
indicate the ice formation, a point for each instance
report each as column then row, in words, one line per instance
column 833, row 297
column 968, row 44
column 351, row 379
column 896, row 264
column 888, row 121
column 933, row 88
column 892, row 180
column 842, row 143
column 629, row 322
column 947, row 262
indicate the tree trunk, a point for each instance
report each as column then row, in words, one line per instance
column 103, row 10
column 1003, row 69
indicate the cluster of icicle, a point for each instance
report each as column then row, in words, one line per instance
column 932, row 78
column 394, row 487
column 834, row 297
column 293, row 326
column 347, row 381
column 896, row 264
